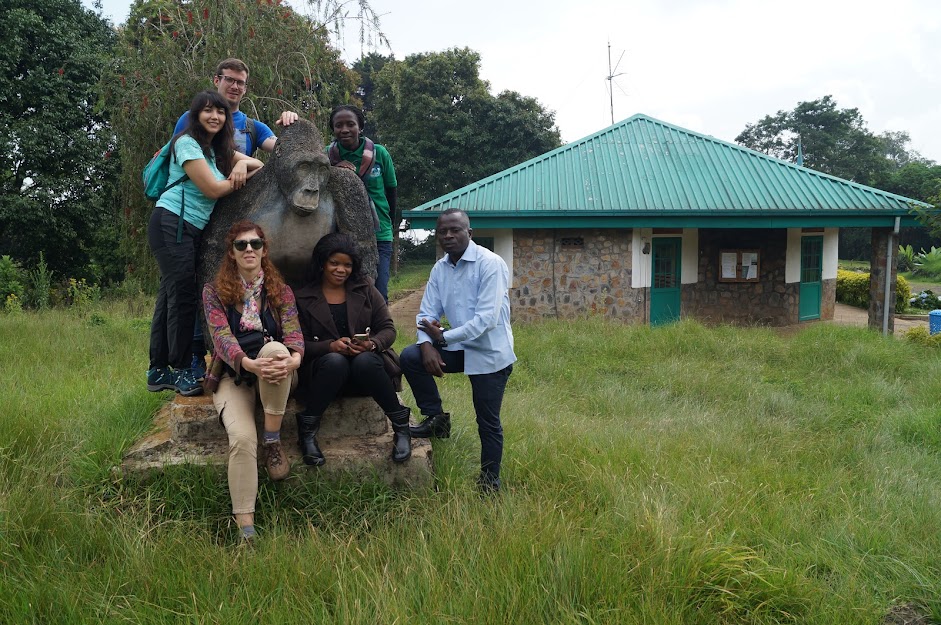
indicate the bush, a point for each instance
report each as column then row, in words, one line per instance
column 853, row 288
column 40, row 284
column 926, row 300
column 921, row 336
column 11, row 280
column 906, row 258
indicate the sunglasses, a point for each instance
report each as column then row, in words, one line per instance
column 242, row 244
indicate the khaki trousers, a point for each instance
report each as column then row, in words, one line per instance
column 236, row 407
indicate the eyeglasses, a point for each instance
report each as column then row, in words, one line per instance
column 242, row 244
column 233, row 81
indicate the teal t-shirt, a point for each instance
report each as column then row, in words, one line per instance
column 198, row 207
column 381, row 175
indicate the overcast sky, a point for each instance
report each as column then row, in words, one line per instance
column 708, row 66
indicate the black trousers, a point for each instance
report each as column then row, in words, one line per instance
column 171, row 330
column 487, row 391
column 363, row 375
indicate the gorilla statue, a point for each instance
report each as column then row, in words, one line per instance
column 297, row 198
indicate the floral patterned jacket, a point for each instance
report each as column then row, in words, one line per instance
column 226, row 348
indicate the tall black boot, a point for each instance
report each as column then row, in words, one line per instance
column 307, row 427
column 435, row 426
column 401, row 439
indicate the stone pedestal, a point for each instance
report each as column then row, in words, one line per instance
column 355, row 437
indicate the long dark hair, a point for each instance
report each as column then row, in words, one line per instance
column 223, row 143
column 327, row 246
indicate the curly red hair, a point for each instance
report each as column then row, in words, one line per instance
column 227, row 282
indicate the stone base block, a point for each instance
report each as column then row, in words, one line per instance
column 355, row 437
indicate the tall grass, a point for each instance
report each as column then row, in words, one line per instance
column 674, row 475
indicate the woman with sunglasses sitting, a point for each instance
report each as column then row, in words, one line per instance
column 258, row 347
column 204, row 157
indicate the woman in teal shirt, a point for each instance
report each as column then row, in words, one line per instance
column 205, row 153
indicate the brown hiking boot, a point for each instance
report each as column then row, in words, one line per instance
column 276, row 462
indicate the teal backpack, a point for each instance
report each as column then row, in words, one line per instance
column 156, row 174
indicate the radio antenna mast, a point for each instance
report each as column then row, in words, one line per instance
column 610, row 78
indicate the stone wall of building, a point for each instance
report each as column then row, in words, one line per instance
column 769, row 301
column 571, row 273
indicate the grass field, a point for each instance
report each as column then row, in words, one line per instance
column 674, row 475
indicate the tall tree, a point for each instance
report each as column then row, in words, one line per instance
column 54, row 165
column 168, row 51
column 367, row 68
column 835, row 141
column 445, row 129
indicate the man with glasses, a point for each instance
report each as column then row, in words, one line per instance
column 231, row 81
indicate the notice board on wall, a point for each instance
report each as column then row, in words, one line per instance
column 738, row 265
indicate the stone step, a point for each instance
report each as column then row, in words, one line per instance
column 195, row 419
column 355, row 438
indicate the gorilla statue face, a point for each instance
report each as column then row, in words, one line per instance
column 302, row 177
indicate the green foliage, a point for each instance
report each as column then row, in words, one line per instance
column 852, row 288
column 81, row 295
column 906, row 258
column 925, row 300
column 169, row 50
column 13, row 305
column 445, row 130
column 921, row 336
column 835, row 141
column 40, row 284
column 11, row 279
column 55, row 170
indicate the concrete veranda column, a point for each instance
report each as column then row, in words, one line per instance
column 881, row 238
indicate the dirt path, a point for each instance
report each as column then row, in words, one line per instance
column 404, row 308
column 852, row 316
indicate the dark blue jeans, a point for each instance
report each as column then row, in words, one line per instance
column 385, row 261
column 487, row 392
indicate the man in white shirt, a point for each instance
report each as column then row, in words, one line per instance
column 469, row 286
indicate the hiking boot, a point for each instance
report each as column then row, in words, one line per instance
column 160, row 379
column 185, row 384
column 435, row 426
column 276, row 462
column 199, row 367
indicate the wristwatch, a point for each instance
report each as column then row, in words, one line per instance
column 442, row 342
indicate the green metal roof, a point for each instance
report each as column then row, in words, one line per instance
column 644, row 172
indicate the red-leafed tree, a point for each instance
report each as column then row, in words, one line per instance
column 168, row 50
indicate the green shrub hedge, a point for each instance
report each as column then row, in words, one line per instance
column 853, row 288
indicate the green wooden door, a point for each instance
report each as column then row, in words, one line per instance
column 811, row 278
column 665, row 283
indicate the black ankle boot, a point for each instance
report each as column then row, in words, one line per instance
column 435, row 426
column 401, row 438
column 307, row 427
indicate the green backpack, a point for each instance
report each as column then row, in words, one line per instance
column 156, row 174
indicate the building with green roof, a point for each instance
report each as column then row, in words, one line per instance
column 649, row 222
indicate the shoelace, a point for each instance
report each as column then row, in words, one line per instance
column 274, row 453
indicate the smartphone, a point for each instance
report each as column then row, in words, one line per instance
column 360, row 338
